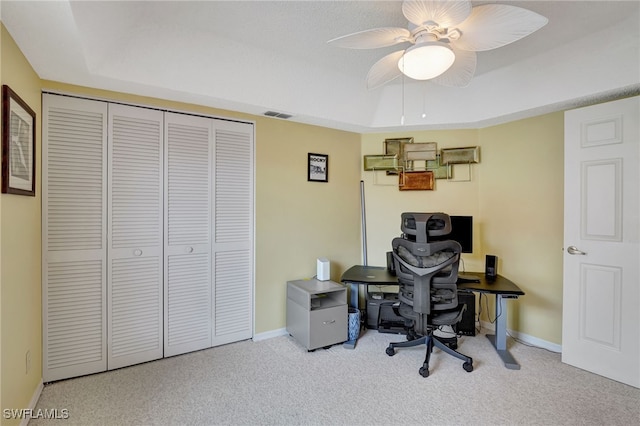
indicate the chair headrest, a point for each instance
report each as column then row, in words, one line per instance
column 420, row 226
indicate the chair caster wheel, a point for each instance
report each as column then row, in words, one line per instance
column 424, row 371
column 468, row 367
column 390, row 351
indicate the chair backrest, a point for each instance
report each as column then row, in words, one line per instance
column 427, row 271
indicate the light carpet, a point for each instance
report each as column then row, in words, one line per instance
column 278, row 382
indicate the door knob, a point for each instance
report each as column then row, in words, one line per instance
column 574, row 250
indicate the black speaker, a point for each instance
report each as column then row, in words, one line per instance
column 491, row 267
column 467, row 325
column 391, row 266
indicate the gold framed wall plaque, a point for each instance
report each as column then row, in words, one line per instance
column 409, row 181
column 469, row 154
column 420, row 151
column 440, row 171
column 395, row 146
column 380, row 162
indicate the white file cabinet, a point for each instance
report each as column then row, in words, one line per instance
column 317, row 312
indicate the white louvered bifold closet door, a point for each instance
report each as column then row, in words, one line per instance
column 233, row 230
column 74, row 197
column 188, row 156
column 135, row 236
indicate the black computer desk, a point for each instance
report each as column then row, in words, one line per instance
column 503, row 288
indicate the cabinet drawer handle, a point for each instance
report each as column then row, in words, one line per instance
column 328, row 322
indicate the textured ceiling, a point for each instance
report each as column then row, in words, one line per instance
column 272, row 55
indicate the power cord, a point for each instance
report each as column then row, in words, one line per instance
column 529, row 344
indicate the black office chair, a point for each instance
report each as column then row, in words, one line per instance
column 427, row 272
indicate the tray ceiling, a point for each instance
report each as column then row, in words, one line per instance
column 258, row 56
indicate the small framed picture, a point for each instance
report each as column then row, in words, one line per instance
column 18, row 145
column 318, row 168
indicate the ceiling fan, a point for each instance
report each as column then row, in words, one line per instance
column 445, row 36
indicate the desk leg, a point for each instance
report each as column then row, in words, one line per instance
column 351, row 344
column 499, row 340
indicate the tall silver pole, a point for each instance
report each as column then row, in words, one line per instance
column 364, row 224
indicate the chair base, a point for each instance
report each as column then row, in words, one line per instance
column 445, row 344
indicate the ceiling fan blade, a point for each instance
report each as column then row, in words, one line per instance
column 371, row 39
column 461, row 72
column 385, row 70
column 444, row 13
column 494, row 25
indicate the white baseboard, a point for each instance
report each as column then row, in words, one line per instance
column 32, row 404
column 270, row 334
column 526, row 339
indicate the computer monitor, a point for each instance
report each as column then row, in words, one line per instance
column 461, row 231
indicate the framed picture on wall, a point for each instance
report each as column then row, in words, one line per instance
column 317, row 168
column 18, row 145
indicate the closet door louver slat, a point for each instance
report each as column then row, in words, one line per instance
column 74, row 237
column 135, row 257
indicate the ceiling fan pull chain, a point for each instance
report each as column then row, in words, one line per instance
column 402, row 118
column 424, row 101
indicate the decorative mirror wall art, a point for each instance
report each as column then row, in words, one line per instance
column 420, row 151
column 418, row 164
column 440, row 171
column 380, row 162
column 469, row 154
column 409, row 181
column 395, row 147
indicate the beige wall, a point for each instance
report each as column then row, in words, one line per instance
column 20, row 303
column 298, row 221
column 521, row 206
column 516, row 198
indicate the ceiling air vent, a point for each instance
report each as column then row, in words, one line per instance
column 277, row 115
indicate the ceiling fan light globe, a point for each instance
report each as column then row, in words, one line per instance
column 426, row 60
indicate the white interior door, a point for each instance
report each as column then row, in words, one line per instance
column 601, row 296
column 135, row 235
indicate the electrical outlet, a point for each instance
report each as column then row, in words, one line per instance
column 28, row 361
